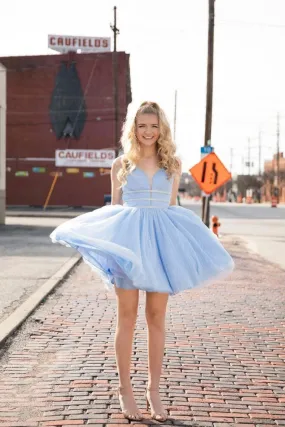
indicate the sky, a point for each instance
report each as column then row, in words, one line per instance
column 167, row 43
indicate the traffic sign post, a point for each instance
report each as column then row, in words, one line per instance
column 205, row 150
column 210, row 174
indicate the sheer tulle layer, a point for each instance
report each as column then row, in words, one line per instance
column 155, row 250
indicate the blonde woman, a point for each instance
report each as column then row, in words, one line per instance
column 143, row 241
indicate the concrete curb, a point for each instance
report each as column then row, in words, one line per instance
column 9, row 325
column 252, row 248
column 54, row 213
column 45, row 215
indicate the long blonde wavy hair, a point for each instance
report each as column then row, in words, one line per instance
column 166, row 148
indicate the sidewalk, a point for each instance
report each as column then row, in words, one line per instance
column 57, row 212
column 29, row 261
column 224, row 363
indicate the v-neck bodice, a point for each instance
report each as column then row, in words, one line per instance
column 140, row 191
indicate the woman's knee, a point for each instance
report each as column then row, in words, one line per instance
column 127, row 316
column 155, row 309
column 127, row 303
column 155, row 317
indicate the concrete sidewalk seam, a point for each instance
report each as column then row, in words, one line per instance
column 14, row 321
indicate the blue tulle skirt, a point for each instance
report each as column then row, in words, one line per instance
column 156, row 250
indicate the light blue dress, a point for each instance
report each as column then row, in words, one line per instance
column 145, row 243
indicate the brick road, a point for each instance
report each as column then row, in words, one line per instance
column 224, row 363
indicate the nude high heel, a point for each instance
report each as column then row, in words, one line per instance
column 129, row 415
column 158, row 417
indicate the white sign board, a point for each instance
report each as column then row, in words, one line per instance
column 205, row 150
column 85, row 158
column 65, row 44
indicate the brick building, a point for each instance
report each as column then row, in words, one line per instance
column 58, row 102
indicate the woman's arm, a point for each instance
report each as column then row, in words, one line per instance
column 116, row 185
column 175, row 186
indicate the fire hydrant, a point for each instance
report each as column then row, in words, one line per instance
column 215, row 225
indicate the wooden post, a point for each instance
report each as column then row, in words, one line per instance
column 116, row 88
column 209, row 102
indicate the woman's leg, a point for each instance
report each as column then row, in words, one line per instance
column 156, row 304
column 127, row 307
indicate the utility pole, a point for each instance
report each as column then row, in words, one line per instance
column 259, row 153
column 249, row 156
column 231, row 168
column 175, row 110
column 278, row 155
column 115, row 78
column 231, row 164
column 209, row 101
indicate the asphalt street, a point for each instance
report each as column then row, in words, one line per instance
column 261, row 226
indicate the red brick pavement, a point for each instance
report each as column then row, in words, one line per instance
column 224, row 363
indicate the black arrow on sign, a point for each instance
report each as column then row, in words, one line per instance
column 215, row 172
column 213, row 169
column 204, row 171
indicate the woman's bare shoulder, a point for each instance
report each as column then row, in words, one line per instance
column 117, row 163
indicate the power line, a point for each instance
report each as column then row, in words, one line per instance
column 93, row 110
column 106, row 119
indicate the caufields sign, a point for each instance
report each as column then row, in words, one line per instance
column 65, row 44
column 85, row 158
